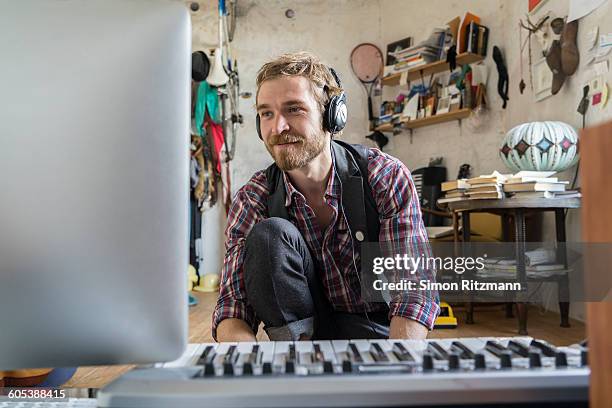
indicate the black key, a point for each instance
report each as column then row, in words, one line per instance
column 207, row 356
column 463, row 350
column 544, row 348
column 428, row 361
column 535, row 359
column 453, row 361
column 506, row 359
column 584, row 343
column 495, row 348
column 289, row 367
column 328, row 368
column 291, row 356
column 209, row 370
column 253, row 357
column 228, row 369
column 518, row 348
column 480, row 362
column 229, row 356
column 247, row 369
column 347, row 366
column 355, row 353
column 378, row 354
column 401, row 352
column 560, row 359
column 584, row 358
column 267, row 368
column 437, row 350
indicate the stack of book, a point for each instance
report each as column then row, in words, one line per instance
column 506, row 268
column 423, row 53
column 537, row 184
column 522, row 185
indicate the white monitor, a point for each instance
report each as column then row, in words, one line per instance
column 94, row 173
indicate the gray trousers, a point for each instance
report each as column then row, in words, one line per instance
column 284, row 289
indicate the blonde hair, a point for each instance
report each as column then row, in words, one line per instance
column 323, row 83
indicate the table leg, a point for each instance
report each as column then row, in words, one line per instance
column 509, row 310
column 465, row 221
column 520, row 236
column 563, row 284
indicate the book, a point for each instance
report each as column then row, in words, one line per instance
column 465, row 22
column 472, row 37
column 494, row 177
column 526, row 176
column 559, row 186
column 454, row 185
column 486, row 195
column 484, row 188
column 455, row 193
column 483, row 40
column 450, row 200
column 396, row 46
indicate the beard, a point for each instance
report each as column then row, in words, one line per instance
column 291, row 151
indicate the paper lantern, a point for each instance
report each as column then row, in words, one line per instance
column 543, row 146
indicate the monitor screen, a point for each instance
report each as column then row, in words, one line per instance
column 94, row 172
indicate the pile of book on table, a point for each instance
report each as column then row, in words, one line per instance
column 539, row 262
column 497, row 186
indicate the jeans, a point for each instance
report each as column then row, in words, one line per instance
column 285, row 292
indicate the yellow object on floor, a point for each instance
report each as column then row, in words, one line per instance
column 446, row 319
column 208, row 283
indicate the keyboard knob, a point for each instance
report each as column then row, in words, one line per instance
column 480, row 362
column 247, row 369
column 428, row 362
column 506, row 360
column 560, row 359
column 209, row 370
column 328, row 368
column 267, row 368
column 289, row 367
column 228, row 369
column 584, row 358
column 535, row 359
column 453, row 361
column 347, row 367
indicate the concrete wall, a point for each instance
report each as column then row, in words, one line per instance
column 331, row 29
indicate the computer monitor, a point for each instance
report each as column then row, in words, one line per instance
column 94, row 173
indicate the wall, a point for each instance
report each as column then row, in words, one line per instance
column 331, row 29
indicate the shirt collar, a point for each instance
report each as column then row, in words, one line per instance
column 332, row 189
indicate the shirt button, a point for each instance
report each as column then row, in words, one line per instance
column 359, row 235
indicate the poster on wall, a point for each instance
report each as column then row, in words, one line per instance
column 534, row 5
column 582, row 8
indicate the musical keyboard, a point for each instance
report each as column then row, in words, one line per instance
column 461, row 371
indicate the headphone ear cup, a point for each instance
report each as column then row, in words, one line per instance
column 335, row 114
column 258, row 126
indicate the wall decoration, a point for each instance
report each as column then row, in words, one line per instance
column 534, row 5
column 540, row 146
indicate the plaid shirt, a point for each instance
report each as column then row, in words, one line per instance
column 400, row 223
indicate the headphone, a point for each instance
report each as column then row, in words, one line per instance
column 335, row 113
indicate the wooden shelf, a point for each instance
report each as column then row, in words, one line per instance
column 432, row 68
column 432, row 120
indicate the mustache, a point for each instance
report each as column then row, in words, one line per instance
column 285, row 138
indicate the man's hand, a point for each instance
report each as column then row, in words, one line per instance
column 234, row 330
column 402, row 328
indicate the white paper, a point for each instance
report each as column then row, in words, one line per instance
column 480, row 74
column 592, row 37
column 403, row 78
column 581, row 8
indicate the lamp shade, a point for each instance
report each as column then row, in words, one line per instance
column 541, row 146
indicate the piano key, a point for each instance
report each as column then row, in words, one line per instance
column 378, row 354
column 347, row 366
column 247, row 369
column 535, row 358
column 584, row 358
column 327, row 349
column 560, row 359
column 401, row 352
column 505, row 359
column 209, row 370
column 266, row 368
column 453, row 361
column 462, row 349
column 428, row 361
column 547, row 350
column 480, row 361
column 437, row 351
column 518, row 348
column 495, row 348
column 355, row 354
column 328, row 367
column 266, row 349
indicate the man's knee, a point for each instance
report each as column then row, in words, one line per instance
column 267, row 234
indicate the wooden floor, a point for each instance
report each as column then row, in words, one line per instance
column 489, row 321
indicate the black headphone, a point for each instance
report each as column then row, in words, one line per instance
column 335, row 114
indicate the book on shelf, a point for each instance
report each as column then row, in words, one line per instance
column 534, row 186
column 462, row 40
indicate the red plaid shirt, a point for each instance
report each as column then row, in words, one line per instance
column 400, row 222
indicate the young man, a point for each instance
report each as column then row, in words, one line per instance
column 299, row 273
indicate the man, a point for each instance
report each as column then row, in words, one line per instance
column 299, row 273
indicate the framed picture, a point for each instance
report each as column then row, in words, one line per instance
column 443, row 105
column 542, row 80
